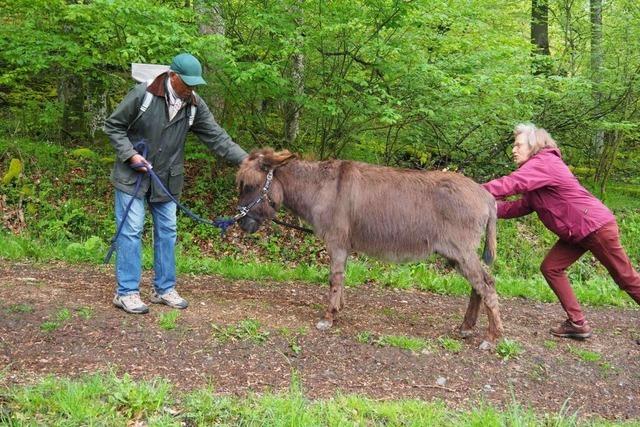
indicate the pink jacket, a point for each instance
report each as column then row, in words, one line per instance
column 550, row 189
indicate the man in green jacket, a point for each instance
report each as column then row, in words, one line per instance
column 160, row 119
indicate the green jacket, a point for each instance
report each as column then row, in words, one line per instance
column 165, row 139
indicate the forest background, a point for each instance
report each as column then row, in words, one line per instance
column 422, row 84
column 425, row 84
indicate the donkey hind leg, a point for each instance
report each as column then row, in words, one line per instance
column 335, row 297
column 472, row 269
column 471, row 316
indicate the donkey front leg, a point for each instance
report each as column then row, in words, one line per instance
column 335, row 298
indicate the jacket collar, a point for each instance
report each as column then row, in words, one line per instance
column 157, row 87
column 544, row 152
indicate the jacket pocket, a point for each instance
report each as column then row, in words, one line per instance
column 176, row 179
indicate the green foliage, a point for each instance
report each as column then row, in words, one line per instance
column 424, row 83
column 84, row 153
column 15, row 169
column 91, row 250
column 56, row 53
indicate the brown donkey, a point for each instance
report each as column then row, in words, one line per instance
column 392, row 214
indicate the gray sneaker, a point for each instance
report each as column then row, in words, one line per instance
column 171, row 298
column 131, row 303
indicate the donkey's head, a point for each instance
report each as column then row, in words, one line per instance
column 260, row 194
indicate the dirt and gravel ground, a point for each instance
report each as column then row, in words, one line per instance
column 549, row 374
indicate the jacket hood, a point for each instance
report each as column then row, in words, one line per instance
column 554, row 151
column 157, row 87
column 544, row 153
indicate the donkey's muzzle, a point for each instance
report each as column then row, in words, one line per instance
column 249, row 225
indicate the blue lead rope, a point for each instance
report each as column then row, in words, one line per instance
column 221, row 222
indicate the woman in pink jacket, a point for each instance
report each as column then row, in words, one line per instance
column 581, row 221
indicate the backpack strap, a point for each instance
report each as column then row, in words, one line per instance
column 192, row 114
column 146, row 102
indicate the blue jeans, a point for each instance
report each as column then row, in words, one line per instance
column 129, row 244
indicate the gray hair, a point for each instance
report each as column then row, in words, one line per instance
column 536, row 138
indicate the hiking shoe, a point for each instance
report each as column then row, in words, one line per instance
column 568, row 329
column 131, row 303
column 171, row 298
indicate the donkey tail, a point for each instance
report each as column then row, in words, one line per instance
column 490, row 243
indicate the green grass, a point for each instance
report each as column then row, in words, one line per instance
column 21, row 308
column 106, row 399
column 450, row 344
column 508, row 349
column 413, row 344
column 364, row 337
column 96, row 399
column 169, row 320
column 594, row 288
column 293, row 338
column 49, row 326
column 63, row 315
column 245, row 330
column 585, row 355
column 85, row 312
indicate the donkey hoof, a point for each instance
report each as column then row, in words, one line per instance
column 465, row 333
column 485, row 345
column 324, row 325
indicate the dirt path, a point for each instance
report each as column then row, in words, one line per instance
column 548, row 373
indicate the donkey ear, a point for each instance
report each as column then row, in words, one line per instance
column 274, row 160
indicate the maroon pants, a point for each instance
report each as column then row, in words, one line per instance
column 604, row 244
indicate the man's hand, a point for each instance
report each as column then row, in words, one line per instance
column 137, row 161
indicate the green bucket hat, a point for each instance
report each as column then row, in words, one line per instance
column 188, row 68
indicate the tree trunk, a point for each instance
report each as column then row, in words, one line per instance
column 292, row 107
column 596, row 69
column 540, row 26
column 96, row 108
column 212, row 23
column 71, row 93
column 540, row 36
